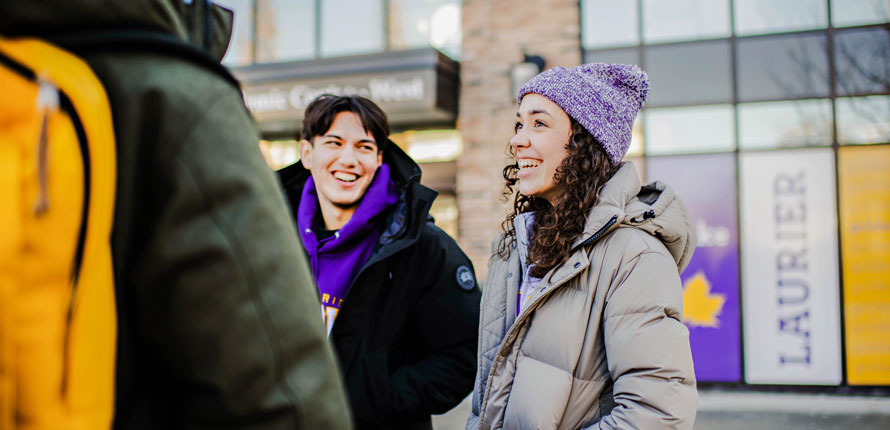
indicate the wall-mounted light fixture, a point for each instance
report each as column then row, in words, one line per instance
column 520, row 73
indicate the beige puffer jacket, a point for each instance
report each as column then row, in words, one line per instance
column 600, row 344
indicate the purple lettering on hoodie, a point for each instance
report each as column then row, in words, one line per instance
column 336, row 260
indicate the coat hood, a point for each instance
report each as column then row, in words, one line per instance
column 199, row 22
column 653, row 208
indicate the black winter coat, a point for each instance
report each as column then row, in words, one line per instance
column 406, row 334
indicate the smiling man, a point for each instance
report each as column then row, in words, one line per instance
column 398, row 296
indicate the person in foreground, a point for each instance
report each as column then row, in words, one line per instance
column 581, row 308
column 215, row 303
column 398, row 296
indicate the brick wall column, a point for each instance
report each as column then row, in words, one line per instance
column 496, row 33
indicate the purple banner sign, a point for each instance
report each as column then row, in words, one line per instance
column 707, row 186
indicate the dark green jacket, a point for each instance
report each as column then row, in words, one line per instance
column 219, row 323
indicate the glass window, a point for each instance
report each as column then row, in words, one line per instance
column 863, row 120
column 616, row 56
column 859, row 12
column 862, row 61
column 636, row 138
column 444, row 212
column 674, row 20
column 427, row 146
column 692, row 73
column 785, row 124
column 689, row 129
column 240, row 51
column 436, row 23
column 285, row 30
column 356, row 32
column 280, row 153
column 793, row 66
column 608, row 23
column 775, row 16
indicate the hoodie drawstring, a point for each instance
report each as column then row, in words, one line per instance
column 47, row 105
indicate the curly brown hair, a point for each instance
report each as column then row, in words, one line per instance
column 558, row 223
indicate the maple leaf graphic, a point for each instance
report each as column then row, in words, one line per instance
column 700, row 307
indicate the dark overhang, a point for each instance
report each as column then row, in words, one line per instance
column 414, row 87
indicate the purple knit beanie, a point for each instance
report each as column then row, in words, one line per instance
column 604, row 98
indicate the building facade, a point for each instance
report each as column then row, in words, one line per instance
column 770, row 118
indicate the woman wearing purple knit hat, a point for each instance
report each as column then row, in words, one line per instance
column 581, row 308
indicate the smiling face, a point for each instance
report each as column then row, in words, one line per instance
column 342, row 161
column 539, row 145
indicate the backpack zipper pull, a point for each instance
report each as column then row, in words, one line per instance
column 47, row 105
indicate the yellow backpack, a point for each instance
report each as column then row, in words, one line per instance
column 57, row 182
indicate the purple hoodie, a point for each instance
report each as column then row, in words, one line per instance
column 337, row 260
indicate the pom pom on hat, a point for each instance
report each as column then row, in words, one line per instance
column 603, row 98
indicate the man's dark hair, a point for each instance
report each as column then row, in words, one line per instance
column 321, row 112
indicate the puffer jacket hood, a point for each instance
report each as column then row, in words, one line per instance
column 653, row 208
column 200, row 22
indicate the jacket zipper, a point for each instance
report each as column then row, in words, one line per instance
column 598, row 233
column 50, row 97
column 513, row 330
column 68, row 108
column 358, row 276
column 534, row 305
